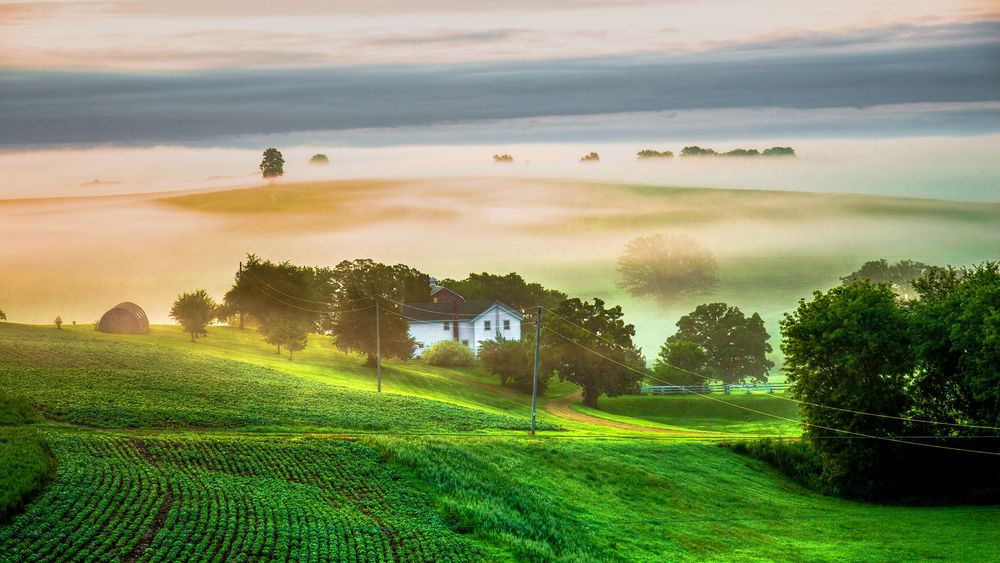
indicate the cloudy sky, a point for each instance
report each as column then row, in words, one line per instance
column 227, row 73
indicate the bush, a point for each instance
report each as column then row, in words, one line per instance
column 449, row 353
column 795, row 459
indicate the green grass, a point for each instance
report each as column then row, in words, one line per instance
column 227, row 499
column 83, row 378
column 701, row 413
column 26, row 465
column 620, row 500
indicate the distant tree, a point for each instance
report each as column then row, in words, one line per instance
column 356, row 285
column 666, row 267
column 273, row 164
column 448, row 353
column 736, row 345
column 742, row 152
column 290, row 332
column 779, row 151
column 956, row 333
column 319, row 159
column 649, row 153
column 58, row 322
column 503, row 158
column 899, row 275
column 3, row 316
column 697, row 151
column 682, row 363
column 194, row 311
column 511, row 289
column 849, row 348
column 592, row 157
column 591, row 326
column 513, row 361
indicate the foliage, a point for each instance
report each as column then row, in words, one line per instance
column 779, row 151
column 58, row 322
column 666, row 267
column 79, row 378
column 738, row 152
column 513, row 361
column 592, row 157
column 357, row 284
column 273, row 164
column 741, row 153
column 449, row 353
column 956, row 331
column 510, row 289
column 736, row 345
column 681, row 363
column 650, row 153
column 503, row 158
column 228, row 499
column 26, row 466
column 591, row 325
column 901, row 274
column 850, row 348
column 3, row 316
column 194, row 311
column 697, row 151
column 288, row 332
column 795, row 458
column 319, row 159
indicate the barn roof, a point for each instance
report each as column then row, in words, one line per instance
column 466, row 310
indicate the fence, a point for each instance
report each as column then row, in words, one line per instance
column 714, row 388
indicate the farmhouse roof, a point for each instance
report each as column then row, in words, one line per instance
column 466, row 310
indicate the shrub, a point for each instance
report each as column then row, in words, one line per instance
column 795, row 459
column 449, row 353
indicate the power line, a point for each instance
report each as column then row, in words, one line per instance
column 294, row 306
column 809, row 424
column 790, row 399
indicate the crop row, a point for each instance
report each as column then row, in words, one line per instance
column 226, row 499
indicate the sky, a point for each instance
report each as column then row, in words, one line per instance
column 234, row 73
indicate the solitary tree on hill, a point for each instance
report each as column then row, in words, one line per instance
column 194, row 311
column 3, row 316
column 58, row 322
column 319, row 159
column 273, row 164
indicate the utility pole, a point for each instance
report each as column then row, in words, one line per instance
column 378, row 345
column 238, row 276
column 534, row 383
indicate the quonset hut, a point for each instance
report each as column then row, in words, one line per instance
column 124, row 318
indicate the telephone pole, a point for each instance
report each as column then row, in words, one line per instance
column 378, row 345
column 238, row 276
column 534, row 383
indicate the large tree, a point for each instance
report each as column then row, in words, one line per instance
column 511, row 289
column 900, row 275
column 194, row 311
column 585, row 328
column 666, row 267
column 513, row 361
column 849, row 348
column 736, row 345
column 356, row 285
column 273, row 164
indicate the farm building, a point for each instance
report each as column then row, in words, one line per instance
column 450, row 317
column 124, row 318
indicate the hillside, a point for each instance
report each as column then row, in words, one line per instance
column 166, row 486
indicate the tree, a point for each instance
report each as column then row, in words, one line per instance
column 58, row 322
column 290, row 332
column 317, row 160
column 194, row 311
column 3, row 316
column 273, row 164
column 615, row 369
column 849, row 348
column 697, row 151
column 900, row 275
column 649, row 153
column 741, row 152
column 511, row 289
column 449, row 353
column 956, row 332
column 592, row 157
column 666, row 267
column 503, row 158
column 682, row 363
column 736, row 345
column 357, row 284
column 513, row 361
column 779, row 151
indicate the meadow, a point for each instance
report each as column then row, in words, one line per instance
column 197, row 480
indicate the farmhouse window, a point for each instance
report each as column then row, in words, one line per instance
column 506, row 324
column 486, row 325
column 447, row 325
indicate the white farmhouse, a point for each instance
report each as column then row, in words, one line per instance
column 450, row 317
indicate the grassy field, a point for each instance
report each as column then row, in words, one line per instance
column 213, row 489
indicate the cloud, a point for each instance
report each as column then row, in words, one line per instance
column 48, row 108
column 447, row 37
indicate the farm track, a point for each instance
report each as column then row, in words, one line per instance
column 560, row 407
